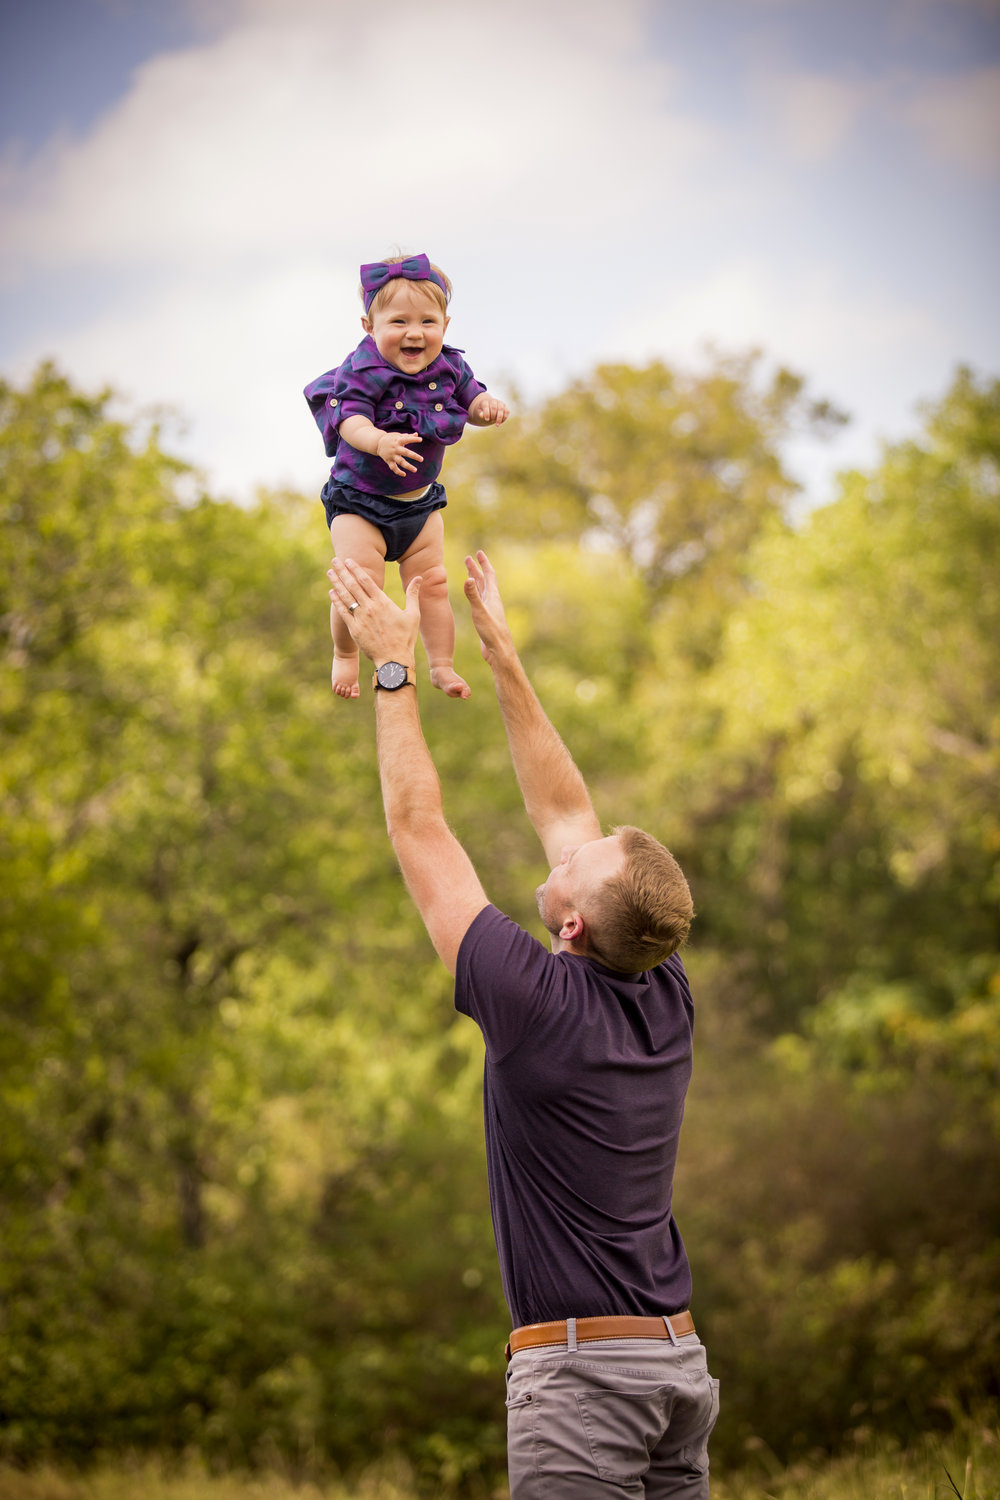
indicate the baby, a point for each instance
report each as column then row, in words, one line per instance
column 386, row 415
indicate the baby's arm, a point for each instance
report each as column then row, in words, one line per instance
column 390, row 447
column 486, row 411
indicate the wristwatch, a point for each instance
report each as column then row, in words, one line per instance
column 392, row 675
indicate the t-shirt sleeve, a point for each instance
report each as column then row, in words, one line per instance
column 468, row 387
column 343, row 392
column 465, row 386
column 504, row 980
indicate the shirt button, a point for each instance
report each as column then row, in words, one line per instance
column 333, row 401
column 399, row 406
column 433, row 386
column 438, row 406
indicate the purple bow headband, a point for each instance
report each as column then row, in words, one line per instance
column 416, row 268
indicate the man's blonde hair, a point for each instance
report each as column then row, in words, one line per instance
column 381, row 297
column 636, row 919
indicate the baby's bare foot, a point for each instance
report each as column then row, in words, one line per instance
column 447, row 679
column 344, row 676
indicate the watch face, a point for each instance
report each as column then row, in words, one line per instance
column 391, row 675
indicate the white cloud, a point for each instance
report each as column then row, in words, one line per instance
column 813, row 316
column 852, row 346
column 301, row 123
column 231, row 356
column 240, row 182
column 958, row 118
column 813, row 114
column 538, row 152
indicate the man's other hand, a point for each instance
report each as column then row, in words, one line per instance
column 486, row 606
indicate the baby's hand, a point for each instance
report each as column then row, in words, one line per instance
column 487, row 411
column 392, row 449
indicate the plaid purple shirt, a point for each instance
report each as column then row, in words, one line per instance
column 434, row 403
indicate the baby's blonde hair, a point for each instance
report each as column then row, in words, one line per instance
column 442, row 298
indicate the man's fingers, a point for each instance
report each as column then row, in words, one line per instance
column 351, row 582
column 342, row 597
column 474, row 583
column 413, row 590
column 361, row 577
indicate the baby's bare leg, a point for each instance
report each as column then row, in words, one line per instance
column 437, row 623
column 352, row 536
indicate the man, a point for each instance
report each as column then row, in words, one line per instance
column 588, row 1057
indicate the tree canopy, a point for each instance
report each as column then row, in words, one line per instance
column 244, row 1201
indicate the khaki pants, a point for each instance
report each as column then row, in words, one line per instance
column 625, row 1418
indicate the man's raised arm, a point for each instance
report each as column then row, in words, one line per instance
column 555, row 795
column 438, row 872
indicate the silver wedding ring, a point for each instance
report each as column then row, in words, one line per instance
column 352, row 607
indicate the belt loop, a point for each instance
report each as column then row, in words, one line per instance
column 670, row 1330
column 571, row 1335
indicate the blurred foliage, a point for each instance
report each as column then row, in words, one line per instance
column 241, row 1162
column 966, row 1461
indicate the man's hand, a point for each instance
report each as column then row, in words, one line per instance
column 487, row 411
column 383, row 631
column 555, row 796
column 393, row 449
column 437, row 870
column 486, row 606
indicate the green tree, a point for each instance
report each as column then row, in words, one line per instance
column 842, row 764
column 240, row 1137
column 194, row 862
column 676, row 471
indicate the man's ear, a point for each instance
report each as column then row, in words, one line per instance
column 572, row 929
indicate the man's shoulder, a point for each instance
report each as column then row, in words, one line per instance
column 497, row 956
column 490, row 929
column 675, row 967
column 672, row 981
column 506, row 981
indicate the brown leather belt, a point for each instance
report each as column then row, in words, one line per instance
column 588, row 1329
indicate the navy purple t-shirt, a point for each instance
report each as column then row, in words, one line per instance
column 583, row 1095
column 434, row 403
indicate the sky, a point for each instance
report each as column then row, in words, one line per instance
column 187, row 189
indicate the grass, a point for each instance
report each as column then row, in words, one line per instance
column 966, row 1465
column 151, row 1480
